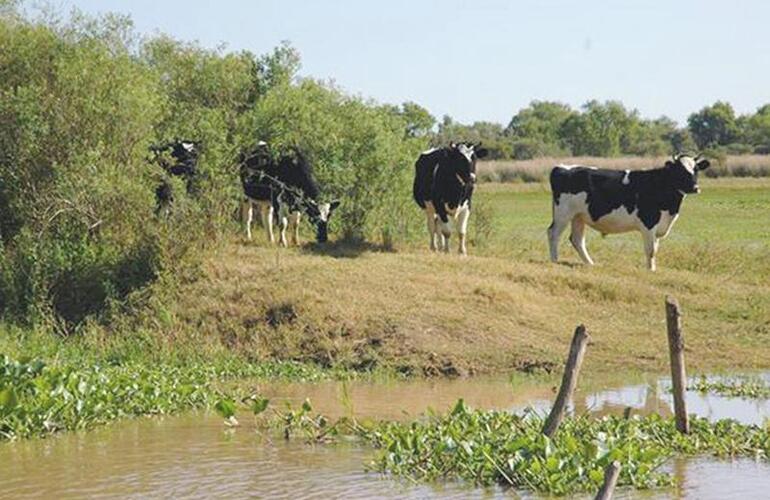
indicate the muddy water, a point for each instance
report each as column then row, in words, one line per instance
column 194, row 456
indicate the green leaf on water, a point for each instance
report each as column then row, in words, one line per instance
column 460, row 408
column 225, row 407
column 8, row 399
column 259, row 405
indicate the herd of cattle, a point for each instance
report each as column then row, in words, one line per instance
column 282, row 188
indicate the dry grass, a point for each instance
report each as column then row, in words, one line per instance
column 436, row 314
column 537, row 170
column 503, row 308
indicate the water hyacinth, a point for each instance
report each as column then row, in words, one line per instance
column 41, row 399
column 493, row 447
column 37, row 399
column 740, row 387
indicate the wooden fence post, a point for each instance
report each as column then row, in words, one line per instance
column 569, row 380
column 676, row 352
column 611, row 474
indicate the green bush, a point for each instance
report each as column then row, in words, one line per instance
column 80, row 103
column 359, row 152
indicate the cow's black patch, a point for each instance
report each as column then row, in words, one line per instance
column 649, row 191
column 287, row 182
column 446, row 176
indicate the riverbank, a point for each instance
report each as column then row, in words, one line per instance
column 255, row 312
column 505, row 307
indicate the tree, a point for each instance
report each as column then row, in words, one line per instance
column 713, row 125
column 652, row 137
column 278, row 68
column 535, row 130
column 541, row 121
column 488, row 133
column 419, row 121
column 602, row 129
column 758, row 128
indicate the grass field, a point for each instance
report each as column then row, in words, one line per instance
column 504, row 307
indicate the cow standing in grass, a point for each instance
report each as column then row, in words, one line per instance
column 443, row 187
column 283, row 189
column 183, row 163
column 619, row 201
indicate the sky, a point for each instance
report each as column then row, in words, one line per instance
column 486, row 59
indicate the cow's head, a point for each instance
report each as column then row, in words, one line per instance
column 684, row 172
column 260, row 156
column 462, row 160
column 320, row 213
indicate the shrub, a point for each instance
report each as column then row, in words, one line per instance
column 81, row 101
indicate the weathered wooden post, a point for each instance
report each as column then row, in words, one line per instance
column 611, row 474
column 676, row 352
column 569, row 380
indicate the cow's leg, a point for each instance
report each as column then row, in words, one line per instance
column 578, row 239
column 446, row 232
column 557, row 227
column 463, row 214
column 247, row 215
column 430, row 216
column 283, row 222
column 445, row 228
column 266, row 211
column 650, row 248
column 294, row 219
column 443, row 224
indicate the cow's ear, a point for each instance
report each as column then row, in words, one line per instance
column 481, row 153
column 333, row 205
column 702, row 165
column 669, row 163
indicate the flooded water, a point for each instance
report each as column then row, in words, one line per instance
column 195, row 456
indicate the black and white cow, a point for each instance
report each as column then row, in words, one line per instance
column 282, row 188
column 183, row 163
column 443, row 187
column 618, row 201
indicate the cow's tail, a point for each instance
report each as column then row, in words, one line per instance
column 418, row 195
column 418, row 187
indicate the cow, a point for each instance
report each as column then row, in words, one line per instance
column 443, row 187
column 282, row 188
column 619, row 201
column 184, row 161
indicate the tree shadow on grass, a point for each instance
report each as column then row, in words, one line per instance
column 344, row 249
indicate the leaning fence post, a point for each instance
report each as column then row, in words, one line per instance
column 569, row 380
column 676, row 352
column 611, row 474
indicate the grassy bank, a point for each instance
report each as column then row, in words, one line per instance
column 504, row 307
column 536, row 170
column 252, row 311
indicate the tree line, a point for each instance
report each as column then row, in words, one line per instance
column 603, row 129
